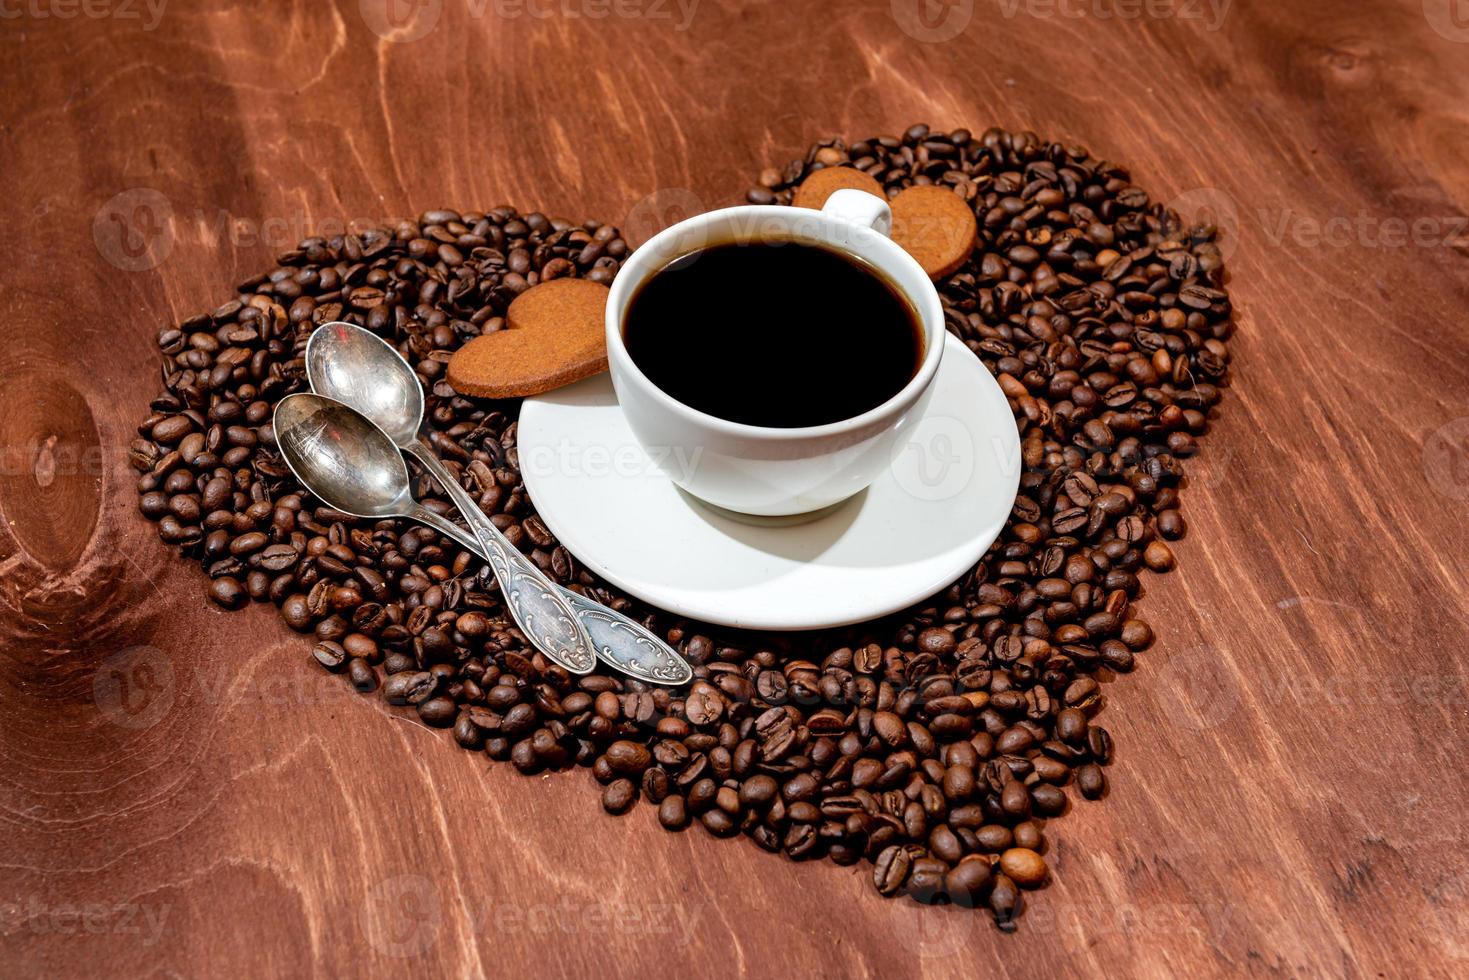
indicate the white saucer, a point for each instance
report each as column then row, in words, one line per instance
column 923, row 523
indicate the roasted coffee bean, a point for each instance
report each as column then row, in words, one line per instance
column 1158, row 556
column 363, row 677
column 758, row 792
column 673, row 813
column 926, row 879
column 1028, row 835
column 1023, row 866
column 228, row 592
column 994, row 838
column 628, row 758
column 718, row 822
column 968, row 882
column 936, row 737
column 1137, row 634
column 1004, row 902
column 438, row 711
column 619, row 796
column 1070, row 726
column 332, row 656
column 890, row 870
column 466, row 732
column 1047, row 800
column 1091, row 781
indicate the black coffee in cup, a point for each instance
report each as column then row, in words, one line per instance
column 774, row 333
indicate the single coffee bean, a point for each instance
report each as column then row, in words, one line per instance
column 994, row 838
column 1023, row 866
column 332, row 656
column 968, row 882
column 618, row 796
column 1004, row 902
column 718, row 822
column 363, row 677
column 758, row 792
column 1028, row 835
column 926, row 879
column 1091, row 781
column 629, row 758
column 673, row 813
column 1137, row 634
column 438, row 712
column 228, row 592
column 1158, row 556
column 890, row 870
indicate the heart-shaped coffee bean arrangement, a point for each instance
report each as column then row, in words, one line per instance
column 936, row 744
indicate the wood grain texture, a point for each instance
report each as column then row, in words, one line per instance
column 182, row 794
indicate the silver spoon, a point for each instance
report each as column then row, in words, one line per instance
column 360, row 369
column 353, row 466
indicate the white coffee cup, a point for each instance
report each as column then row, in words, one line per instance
column 759, row 470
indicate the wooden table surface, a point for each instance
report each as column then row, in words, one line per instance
column 181, row 793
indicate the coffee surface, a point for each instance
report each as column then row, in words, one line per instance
column 776, row 333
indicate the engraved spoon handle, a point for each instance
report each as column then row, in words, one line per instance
column 617, row 640
column 537, row 604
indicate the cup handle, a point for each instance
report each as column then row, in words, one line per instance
column 860, row 208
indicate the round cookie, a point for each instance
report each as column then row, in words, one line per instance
column 555, row 333
column 935, row 226
column 815, row 189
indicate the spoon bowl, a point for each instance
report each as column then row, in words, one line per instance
column 358, row 368
column 345, row 459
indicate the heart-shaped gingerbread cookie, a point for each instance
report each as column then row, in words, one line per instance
column 554, row 335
